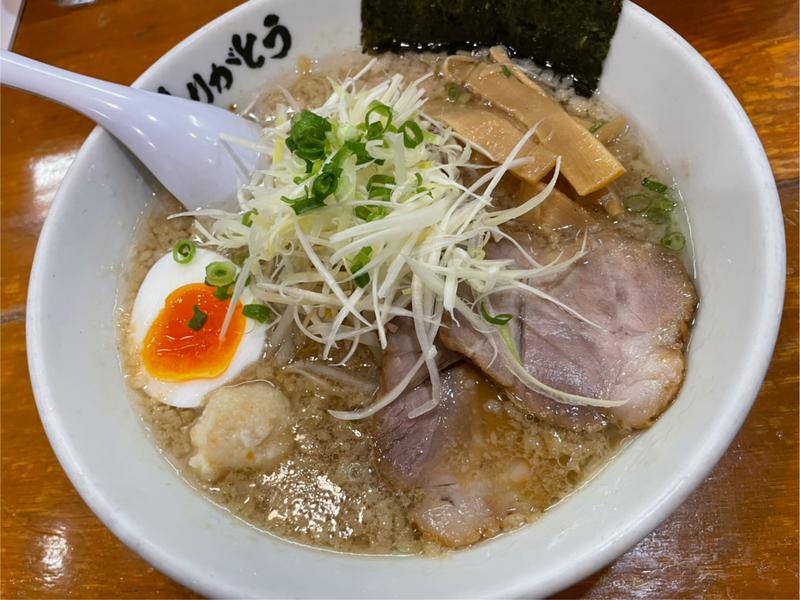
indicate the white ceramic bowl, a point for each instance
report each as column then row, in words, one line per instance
column 691, row 119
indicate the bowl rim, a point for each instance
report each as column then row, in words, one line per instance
column 703, row 461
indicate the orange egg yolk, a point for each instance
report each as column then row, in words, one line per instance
column 173, row 351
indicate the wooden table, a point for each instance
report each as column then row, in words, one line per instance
column 737, row 535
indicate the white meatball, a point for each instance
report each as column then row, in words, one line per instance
column 242, row 427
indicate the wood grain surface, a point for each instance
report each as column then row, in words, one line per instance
column 736, row 536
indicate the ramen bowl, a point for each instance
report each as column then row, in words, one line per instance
column 694, row 125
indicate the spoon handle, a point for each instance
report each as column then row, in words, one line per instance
column 177, row 139
column 96, row 99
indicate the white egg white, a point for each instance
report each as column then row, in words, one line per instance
column 164, row 277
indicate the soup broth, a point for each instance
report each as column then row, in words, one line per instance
column 328, row 491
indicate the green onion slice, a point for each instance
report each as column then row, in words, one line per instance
column 257, row 312
column 666, row 204
column 674, row 240
column 247, row 218
column 597, row 125
column 183, row 251
column 506, row 71
column 307, row 137
column 326, row 182
column 378, row 126
column 304, row 203
column 659, row 217
column 376, row 186
column 223, row 292
column 357, row 263
column 359, row 149
column 412, row 134
column 638, row 203
column 198, row 319
column 654, row 186
column 370, row 213
column 362, row 280
column 220, row 273
column 659, row 211
column 453, row 91
column 500, row 319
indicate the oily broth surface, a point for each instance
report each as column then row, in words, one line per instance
column 328, row 491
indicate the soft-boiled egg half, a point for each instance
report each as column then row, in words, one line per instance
column 176, row 323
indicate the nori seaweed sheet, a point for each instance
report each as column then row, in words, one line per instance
column 570, row 36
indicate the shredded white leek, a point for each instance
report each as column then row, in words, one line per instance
column 424, row 248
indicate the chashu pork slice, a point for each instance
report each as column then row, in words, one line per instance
column 640, row 302
column 442, row 454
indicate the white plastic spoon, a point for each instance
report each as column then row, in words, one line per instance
column 177, row 139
